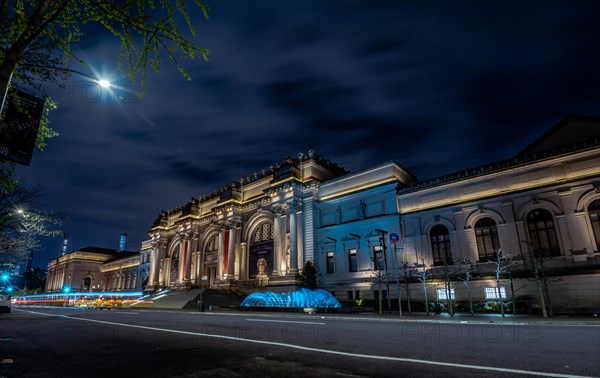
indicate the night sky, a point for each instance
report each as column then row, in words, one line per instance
column 437, row 86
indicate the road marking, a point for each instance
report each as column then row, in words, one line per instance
column 327, row 351
column 283, row 321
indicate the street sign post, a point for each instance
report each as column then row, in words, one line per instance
column 394, row 239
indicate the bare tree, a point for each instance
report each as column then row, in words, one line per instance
column 423, row 276
column 13, row 195
column 513, row 289
column 406, row 284
column 21, row 238
column 535, row 262
column 378, row 277
column 465, row 275
column 502, row 263
column 448, row 271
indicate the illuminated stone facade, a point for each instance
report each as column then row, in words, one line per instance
column 258, row 230
column 98, row 269
column 546, row 199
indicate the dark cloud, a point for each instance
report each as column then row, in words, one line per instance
column 384, row 44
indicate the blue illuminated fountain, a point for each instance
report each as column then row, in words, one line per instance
column 302, row 298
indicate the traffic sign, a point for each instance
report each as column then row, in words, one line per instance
column 394, row 238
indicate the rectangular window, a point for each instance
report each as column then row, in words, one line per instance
column 378, row 262
column 492, row 293
column 352, row 263
column 329, row 262
column 357, row 294
column 441, row 294
column 376, row 294
column 350, row 295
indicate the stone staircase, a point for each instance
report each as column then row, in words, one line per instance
column 166, row 299
column 222, row 298
column 188, row 299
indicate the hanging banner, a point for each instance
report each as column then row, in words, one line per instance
column 20, row 126
column 261, row 260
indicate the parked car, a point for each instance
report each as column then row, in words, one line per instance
column 5, row 302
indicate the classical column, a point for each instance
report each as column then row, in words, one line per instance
column 159, row 262
column 308, row 227
column 199, row 266
column 153, row 279
column 293, row 238
column 243, row 261
column 300, row 237
column 184, row 274
column 277, row 242
column 191, row 272
column 220, row 253
column 231, row 252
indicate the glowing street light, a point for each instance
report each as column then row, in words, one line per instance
column 101, row 82
column 104, row 83
column 24, row 119
column 67, row 290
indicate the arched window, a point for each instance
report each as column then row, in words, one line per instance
column 212, row 244
column 261, row 256
column 542, row 233
column 87, row 283
column 440, row 245
column 263, row 233
column 175, row 264
column 488, row 242
column 594, row 211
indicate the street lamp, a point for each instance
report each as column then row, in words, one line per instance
column 385, row 264
column 104, row 83
column 67, row 290
column 100, row 81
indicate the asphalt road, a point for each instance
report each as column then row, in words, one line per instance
column 66, row 342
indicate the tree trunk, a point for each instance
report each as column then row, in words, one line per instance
column 426, row 300
column 380, row 300
column 470, row 299
column 500, row 296
column 6, row 69
column 408, row 297
column 407, row 288
column 512, row 295
column 34, row 28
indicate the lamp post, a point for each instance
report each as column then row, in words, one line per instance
column 5, row 280
column 394, row 240
column 385, row 265
column 101, row 82
column 67, row 290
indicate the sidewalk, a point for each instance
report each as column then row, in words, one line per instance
column 588, row 320
column 486, row 318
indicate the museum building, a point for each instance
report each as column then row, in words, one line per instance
column 544, row 202
column 98, row 269
column 259, row 231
